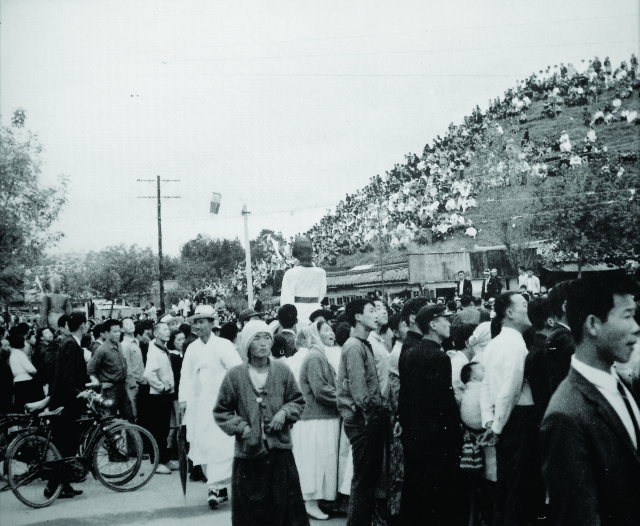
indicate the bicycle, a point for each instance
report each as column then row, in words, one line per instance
column 112, row 449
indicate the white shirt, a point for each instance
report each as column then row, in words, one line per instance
column 504, row 385
column 607, row 384
column 522, row 279
column 533, row 284
column 21, row 367
column 381, row 357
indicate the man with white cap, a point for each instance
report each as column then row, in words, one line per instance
column 206, row 361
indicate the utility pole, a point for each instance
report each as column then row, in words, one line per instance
column 159, row 198
column 247, row 253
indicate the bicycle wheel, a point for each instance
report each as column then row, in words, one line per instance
column 26, row 470
column 112, row 471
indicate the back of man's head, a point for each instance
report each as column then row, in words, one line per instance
column 412, row 307
column 539, row 311
column 76, row 319
column 465, row 301
column 62, row 321
column 356, row 307
column 288, row 316
column 342, row 331
column 557, row 298
column 595, row 296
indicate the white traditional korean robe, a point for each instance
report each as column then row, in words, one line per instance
column 304, row 282
column 203, row 370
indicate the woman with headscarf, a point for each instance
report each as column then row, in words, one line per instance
column 316, row 437
column 258, row 403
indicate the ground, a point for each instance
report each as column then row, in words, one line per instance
column 160, row 502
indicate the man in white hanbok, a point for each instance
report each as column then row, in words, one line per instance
column 304, row 285
column 206, row 361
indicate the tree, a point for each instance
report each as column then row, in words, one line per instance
column 204, row 259
column 27, row 209
column 508, row 201
column 591, row 212
column 119, row 272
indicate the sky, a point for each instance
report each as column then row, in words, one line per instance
column 285, row 106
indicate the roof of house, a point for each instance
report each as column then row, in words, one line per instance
column 393, row 273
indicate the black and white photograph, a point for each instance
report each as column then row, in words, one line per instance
column 303, row 262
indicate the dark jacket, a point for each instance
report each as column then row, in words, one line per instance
column 492, row 289
column 537, row 373
column 240, row 404
column 359, row 393
column 560, row 349
column 70, row 376
column 467, row 289
column 591, row 468
column 427, row 406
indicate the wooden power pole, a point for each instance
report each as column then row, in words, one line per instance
column 159, row 197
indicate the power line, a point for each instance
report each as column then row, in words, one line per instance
column 372, row 35
column 402, row 52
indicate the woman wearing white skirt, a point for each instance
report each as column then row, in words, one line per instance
column 315, row 437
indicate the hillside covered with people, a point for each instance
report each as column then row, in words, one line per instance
column 482, row 174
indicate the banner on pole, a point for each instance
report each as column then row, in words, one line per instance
column 215, row 203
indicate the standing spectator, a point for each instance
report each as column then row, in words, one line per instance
column 560, row 343
column 206, row 361
column 316, row 436
column 54, row 304
column 229, row 331
column 108, row 368
column 257, row 404
column 44, row 338
column 143, row 333
column 590, row 434
column 304, row 285
column 361, row 405
column 159, row 376
column 25, row 387
column 288, row 318
column 492, row 286
column 467, row 315
column 536, row 369
column 69, row 379
column 6, row 378
column 152, row 312
column 431, row 434
column 408, row 316
column 135, row 363
column 175, row 345
column 189, row 336
column 98, row 334
column 533, row 282
column 464, row 287
column 509, row 416
column 522, row 276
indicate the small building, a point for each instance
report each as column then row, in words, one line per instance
column 392, row 279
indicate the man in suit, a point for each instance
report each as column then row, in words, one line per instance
column 590, row 436
column 69, row 381
column 432, row 491
column 463, row 288
column 491, row 286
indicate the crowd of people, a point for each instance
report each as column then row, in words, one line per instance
column 423, row 412
column 426, row 197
